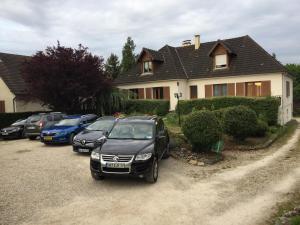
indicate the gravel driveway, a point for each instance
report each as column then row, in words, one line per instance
column 52, row 185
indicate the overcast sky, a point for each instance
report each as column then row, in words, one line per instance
column 102, row 26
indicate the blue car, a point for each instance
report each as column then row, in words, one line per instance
column 65, row 130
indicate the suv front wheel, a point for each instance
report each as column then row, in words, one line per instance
column 152, row 176
column 97, row 176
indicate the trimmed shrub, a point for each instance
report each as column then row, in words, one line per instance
column 266, row 107
column 220, row 114
column 240, row 122
column 260, row 129
column 7, row 119
column 158, row 107
column 202, row 129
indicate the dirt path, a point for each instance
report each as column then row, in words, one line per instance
column 52, row 185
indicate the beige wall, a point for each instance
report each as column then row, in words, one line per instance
column 7, row 96
column 172, row 84
column 276, row 82
column 29, row 106
column 277, row 89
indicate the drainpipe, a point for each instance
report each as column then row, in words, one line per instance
column 14, row 103
column 282, row 97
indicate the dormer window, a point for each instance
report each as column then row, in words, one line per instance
column 221, row 61
column 147, row 67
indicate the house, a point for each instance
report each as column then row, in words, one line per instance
column 231, row 67
column 13, row 94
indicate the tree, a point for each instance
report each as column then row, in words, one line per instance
column 112, row 66
column 128, row 56
column 294, row 70
column 64, row 78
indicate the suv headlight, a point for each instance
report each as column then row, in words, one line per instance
column 143, row 156
column 95, row 155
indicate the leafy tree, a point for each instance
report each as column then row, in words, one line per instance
column 112, row 66
column 65, row 78
column 294, row 69
column 128, row 56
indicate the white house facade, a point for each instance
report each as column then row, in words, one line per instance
column 231, row 67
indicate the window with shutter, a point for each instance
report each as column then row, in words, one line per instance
column 193, row 92
column 220, row 89
column 220, row 61
column 288, row 89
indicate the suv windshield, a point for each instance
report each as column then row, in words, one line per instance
column 101, row 125
column 68, row 122
column 131, row 130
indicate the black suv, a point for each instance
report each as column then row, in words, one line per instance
column 37, row 122
column 85, row 140
column 134, row 147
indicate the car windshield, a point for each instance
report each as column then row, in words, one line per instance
column 131, row 130
column 34, row 118
column 68, row 122
column 101, row 125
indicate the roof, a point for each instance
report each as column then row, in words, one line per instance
column 156, row 55
column 10, row 72
column 186, row 62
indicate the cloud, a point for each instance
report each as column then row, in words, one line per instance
column 28, row 26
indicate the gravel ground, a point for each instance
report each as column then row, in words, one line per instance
column 52, row 185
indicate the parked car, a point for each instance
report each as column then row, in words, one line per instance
column 134, row 147
column 85, row 140
column 37, row 122
column 65, row 130
column 15, row 130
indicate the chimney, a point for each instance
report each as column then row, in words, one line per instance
column 197, row 41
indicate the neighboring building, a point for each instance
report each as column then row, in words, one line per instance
column 13, row 95
column 231, row 67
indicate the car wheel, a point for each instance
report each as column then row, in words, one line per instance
column 153, row 174
column 22, row 135
column 167, row 152
column 97, row 176
column 32, row 137
column 71, row 138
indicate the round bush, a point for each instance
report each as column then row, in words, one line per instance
column 261, row 128
column 240, row 122
column 202, row 129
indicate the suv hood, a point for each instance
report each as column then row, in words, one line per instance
column 55, row 129
column 124, row 147
column 90, row 135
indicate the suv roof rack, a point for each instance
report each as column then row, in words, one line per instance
column 142, row 118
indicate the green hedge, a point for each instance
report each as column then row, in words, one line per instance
column 158, row 107
column 266, row 108
column 7, row 119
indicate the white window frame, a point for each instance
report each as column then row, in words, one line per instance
column 150, row 65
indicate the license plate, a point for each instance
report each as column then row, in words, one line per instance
column 83, row 150
column 48, row 138
column 4, row 134
column 30, row 128
column 115, row 165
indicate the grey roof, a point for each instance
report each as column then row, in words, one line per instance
column 156, row 55
column 247, row 57
column 10, row 72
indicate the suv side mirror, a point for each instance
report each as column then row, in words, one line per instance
column 160, row 134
